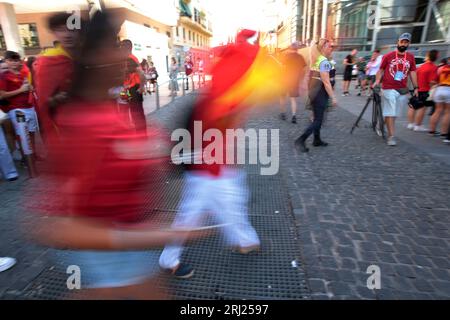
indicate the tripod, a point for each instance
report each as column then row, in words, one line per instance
column 377, row 114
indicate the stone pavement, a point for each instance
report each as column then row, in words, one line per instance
column 333, row 212
column 359, row 202
column 433, row 146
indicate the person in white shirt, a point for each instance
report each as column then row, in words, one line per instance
column 372, row 68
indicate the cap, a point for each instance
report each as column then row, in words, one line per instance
column 405, row 36
column 12, row 55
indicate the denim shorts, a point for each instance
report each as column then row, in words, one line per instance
column 110, row 269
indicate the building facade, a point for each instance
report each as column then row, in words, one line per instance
column 193, row 32
column 150, row 30
column 361, row 24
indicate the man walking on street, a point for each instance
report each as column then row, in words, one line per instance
column 395, row 69
column 53, row 72
column 137, row 104
column 294, row 66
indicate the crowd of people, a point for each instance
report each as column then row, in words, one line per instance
column 403, row 86
column 430, row 83
column 85, row 98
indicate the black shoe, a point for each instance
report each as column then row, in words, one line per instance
column 283, row 116
column 300, row 144
column 182, row 271
column 359, row 94
column 320, row 143
column 294, row 119
column 13, row 179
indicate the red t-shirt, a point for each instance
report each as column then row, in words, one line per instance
column 10, row 81
column 393, row 62
column 98, row 166
column 133, row 57
column 426, row 74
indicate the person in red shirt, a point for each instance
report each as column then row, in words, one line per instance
column 426, row 78
column 395, row 68
column 137, row 103
column 53, row 72
column 189, row 70
column 213, row 186
column 16, row 90
column 102, row 170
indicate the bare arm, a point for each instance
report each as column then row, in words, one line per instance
column 413, row 76
column 378, row 78
column 9, row 94
column 87, row 234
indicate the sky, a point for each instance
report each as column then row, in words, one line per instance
column 228, row 16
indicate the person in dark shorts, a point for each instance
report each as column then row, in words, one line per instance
column 426, row 77
column 349, row 61
column 294, row 66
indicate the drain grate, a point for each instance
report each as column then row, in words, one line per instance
column 220, row 273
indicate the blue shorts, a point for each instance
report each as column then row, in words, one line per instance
column 109, row 269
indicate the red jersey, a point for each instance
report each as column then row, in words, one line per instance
column 394, row 62
column 53, row 73
column 133, row 57
column 104, row 167
column 425, row 74
column 10, row 81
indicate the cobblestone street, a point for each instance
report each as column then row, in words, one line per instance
column 323, row 220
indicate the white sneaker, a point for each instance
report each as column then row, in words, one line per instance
column 446, row 141
column 6, row 263
column 410, row 126
column 420, row 129
column 391, row 142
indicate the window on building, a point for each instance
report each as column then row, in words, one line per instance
column 147, row 25
column 189, row 35
column 196, row 15
column 176, row 31
column 2, row 40
column 28, row 35
column 184, row 33
column 168, row 34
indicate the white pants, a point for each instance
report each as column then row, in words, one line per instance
column 225, row 197
column 393, row 102
column 30, row 119
column 7, row 167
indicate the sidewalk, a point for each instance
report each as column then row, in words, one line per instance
column 433, row 146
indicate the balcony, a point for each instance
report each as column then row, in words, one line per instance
column 198, row 26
